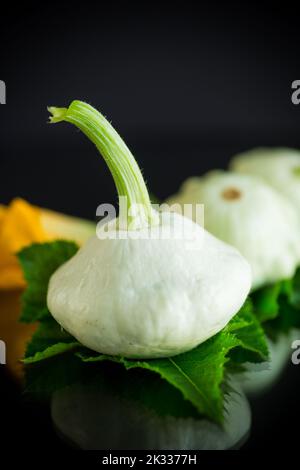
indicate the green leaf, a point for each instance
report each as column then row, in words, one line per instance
column 139, row 388
column 288, row 318
column 145, row 389
column 46, row 377
column 48, row 333
column 198, row 374
column 292, row 290
column 38, row 262
column 55, row 350
column 266, row 303
column 277, row 306
column 253, row 345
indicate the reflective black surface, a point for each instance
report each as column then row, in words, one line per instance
column 118, row 409
column 187, row 89
column 274, row 416
column 23, row 419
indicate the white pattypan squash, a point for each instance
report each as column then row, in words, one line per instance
column 250, row 215
column 158, row 288
column 279, row 167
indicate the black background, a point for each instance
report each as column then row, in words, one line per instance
column 187, row 86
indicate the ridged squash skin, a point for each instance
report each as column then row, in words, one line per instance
column 251, row 216
column 147, row 298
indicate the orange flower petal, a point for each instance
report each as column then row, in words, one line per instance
column 20, row 225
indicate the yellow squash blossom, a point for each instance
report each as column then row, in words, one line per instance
column 22, row 224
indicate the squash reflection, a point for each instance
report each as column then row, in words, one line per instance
column 118, row 409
